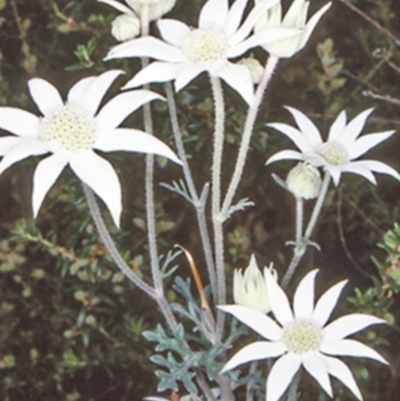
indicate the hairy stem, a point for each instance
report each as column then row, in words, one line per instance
column 248, row 129
column 197, row 202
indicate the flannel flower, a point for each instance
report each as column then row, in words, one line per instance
column 302, row 338
column 71, row 131
column 295, row 17
column 337, row 154
column 184, row 53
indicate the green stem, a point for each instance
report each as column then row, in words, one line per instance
column 216, row 200
column 198, row 203
column 119, row 261
column 248, row 129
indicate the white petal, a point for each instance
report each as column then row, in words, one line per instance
column 132, row 140
column 117, row 109
column 256, row 320
column 97, row 89
column 265, row 36
column 45, row 95
column 99, row 175
column 238, row 77
column 307, row 127
column 234, row 17
column 118, row 6
column 250, row 21
column 335, row 172
column 281, row 375
column 154, row 72
column 8, row 142
column 379, row 167
column 365, row 143
column 255, row 352
column 25, row 148
column 19, row 122
column 285, row 155
column 360, row 169
column 327, row 302
column 296, row 15
column 303, row 301
column 279, row 302
column 185, row 73
column 173, row 31
column 77, row 93
column 349, row 324
column 314, row 21
column 213, row 14
column 340, row 370
column 299, row 139
column 337, row 127
column 315, row 365
column 351, row 348
column 354, row 128
column 46, row 174
column 147, row 47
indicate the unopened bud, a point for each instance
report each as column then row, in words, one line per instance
column 304, row 181
column 125, row 27
column 157, row 8
column 255, row 67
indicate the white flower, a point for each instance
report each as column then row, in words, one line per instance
column 301, row 337
column 71, row 131
column 184, row 53
column 157, row 8
column 304, row 181
column 337, row 154
column 249, row 288
column 125, row 27
column 295, row 17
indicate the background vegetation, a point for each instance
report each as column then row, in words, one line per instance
column 71, row 325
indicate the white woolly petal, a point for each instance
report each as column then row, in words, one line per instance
column 255, row 352
column 340, row 370
column 234, row 17
column 154, row 72
column 173, row 31
column 77, row 93
column 19, row 122
column 285, row 155
column 132, row 140
column 185, row 73
column 281, row 375
column 117, row 109
column 365, row 143
column 213, row 14
column 256, row 320
column 360, row 169
column 354, row 128
column 327, row 302
column 118, row 6
column 316, row 367
column 297, row 137
column 46, row 174
column 25, row 148
column 337, row 127
column 379, row 167
column 351, row 348
column 279, row 302
column 346, row 325
column 238, row 77
column 303, row 301
column 8, row 142
column 45, row 95
column 99, row 175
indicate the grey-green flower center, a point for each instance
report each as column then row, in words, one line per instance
column 334, row 153
column 302, row 336
column 71, row 127
column 205, row 46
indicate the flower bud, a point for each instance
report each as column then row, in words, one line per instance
column 304, row 181
column 125, row 27
column 255, row 67
column 249, row 289
column 157, row 8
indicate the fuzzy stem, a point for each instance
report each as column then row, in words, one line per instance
column 248, row 129
column 301, row 245
column 197, row 202
column 216, row 200
column 119, row 261
column 299, row 219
